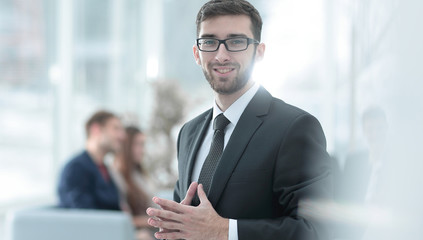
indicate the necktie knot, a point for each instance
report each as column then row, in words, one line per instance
column 220, row 122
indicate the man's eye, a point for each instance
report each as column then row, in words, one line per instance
column 237, row 41
column 209, row 42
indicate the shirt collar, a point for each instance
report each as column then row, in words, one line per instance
column 233, row 113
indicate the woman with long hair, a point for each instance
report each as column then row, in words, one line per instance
column 132, row 180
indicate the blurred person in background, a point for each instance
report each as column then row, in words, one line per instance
column 85, row 181
column 133, row 181
column 366, row 174
column 362, row 167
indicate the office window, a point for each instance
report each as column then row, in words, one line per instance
column 26, row 102
column 42, row 107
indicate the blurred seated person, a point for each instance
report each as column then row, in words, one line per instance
column 132, row 180
column 362, row 168
column 365, row 175
column 85, row 181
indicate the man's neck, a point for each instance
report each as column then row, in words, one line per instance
column 95, row 152
column 224, row 101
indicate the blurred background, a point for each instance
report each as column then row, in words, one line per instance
column 61, row 60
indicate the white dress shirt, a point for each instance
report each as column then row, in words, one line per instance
column 233, row 114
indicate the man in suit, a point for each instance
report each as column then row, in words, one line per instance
column 363, row 167
column 274, row 154
column 85, row 181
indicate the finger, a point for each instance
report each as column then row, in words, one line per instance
column 190, row 193
column 170, row 226
column 164, row 230
column 169, row 235
column 169, row 205
column 153, row 199
column 163, row 215
column 201, row 194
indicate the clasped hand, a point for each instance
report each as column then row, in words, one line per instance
column 183, row 221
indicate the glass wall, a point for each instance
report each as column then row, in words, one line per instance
column 60, row 61
column 27, row 102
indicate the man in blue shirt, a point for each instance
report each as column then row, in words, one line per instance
column 85, row 181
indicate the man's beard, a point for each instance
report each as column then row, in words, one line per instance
column 238, row 82
column 107, row 146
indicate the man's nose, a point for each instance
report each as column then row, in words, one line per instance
column 222, row 54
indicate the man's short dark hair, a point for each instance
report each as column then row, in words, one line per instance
column 215, row 8
column 99, row 117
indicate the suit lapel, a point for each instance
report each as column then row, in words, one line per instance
column 199, row 132
column 247, row 125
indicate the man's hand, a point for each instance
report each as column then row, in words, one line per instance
column 182, row 221
column 187, row 201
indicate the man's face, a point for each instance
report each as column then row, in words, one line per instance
column 227, row 72
column 112, row 135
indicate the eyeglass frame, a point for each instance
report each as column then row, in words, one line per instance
column 249, row 42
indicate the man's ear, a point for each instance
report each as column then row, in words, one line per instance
column 196, row 53
column 260, row 51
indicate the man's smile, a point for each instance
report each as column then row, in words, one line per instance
column 224, row 70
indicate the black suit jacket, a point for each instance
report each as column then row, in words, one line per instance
column 81, row 185
column 275, row 157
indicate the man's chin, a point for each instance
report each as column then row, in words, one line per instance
column 115, row 150
column 223, row 90
column 227, row 89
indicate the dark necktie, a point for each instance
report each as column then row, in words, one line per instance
column 212, row 159
column 104, row 172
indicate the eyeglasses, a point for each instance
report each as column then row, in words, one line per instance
column 235, row 44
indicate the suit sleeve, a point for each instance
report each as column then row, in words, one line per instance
column 301, row 173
